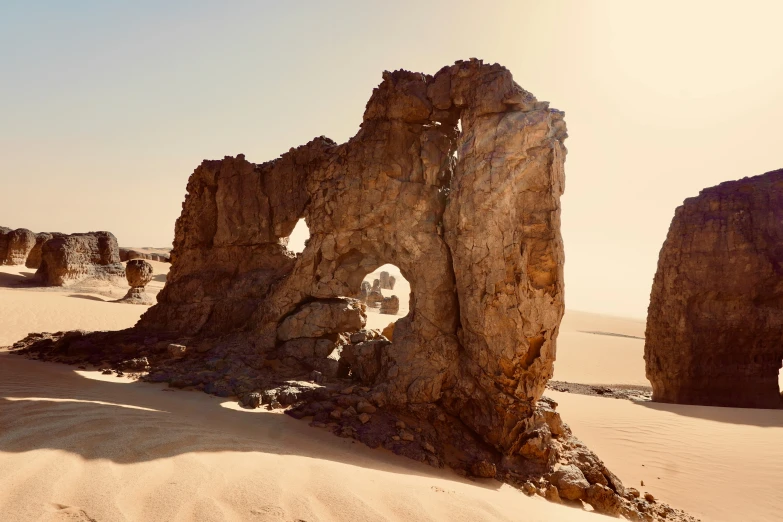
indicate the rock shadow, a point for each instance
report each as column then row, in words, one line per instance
column 159, row 425
column 762, row 418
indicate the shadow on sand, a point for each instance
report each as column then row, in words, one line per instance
column 23, row 279
column 47, row 405
column 89, row 297
column 746, row 416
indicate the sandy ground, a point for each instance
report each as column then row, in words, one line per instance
column 75, row 445
column 73, row 448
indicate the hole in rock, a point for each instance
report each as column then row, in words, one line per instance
column 297, row 241
column 381, row 308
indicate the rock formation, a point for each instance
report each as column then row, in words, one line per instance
column 390, row 305
column 139, row 273
column 15, row 245
column 715, row 321
column 364, row 292
column 69, row 259
column 454, row 178
column 375, row 297
column 384, row 280
column 34, row 257
column 126, row 254
column 392, row 281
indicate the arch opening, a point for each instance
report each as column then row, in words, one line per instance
column 297, row 241
column 387, row 295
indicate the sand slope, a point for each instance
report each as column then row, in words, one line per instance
column 720, row 464
column 72, row 448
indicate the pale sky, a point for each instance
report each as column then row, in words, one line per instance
column 107, row 107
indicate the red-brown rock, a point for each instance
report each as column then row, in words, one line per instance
column 715, row 321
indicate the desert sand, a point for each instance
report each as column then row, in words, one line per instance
column 76, row 445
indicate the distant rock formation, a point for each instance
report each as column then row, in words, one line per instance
column 126, row 254
column 390, row 305
column 364, row 293
column 456, row 179
column 34, row 257
column 139, row 273
column 375, row 297
column 715, row 320
column 15, row 245
column 391, row 282
column 69, row 259
column 384, row 280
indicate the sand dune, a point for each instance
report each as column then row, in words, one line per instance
column 72, row 448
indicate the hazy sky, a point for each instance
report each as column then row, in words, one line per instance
column 107, row 107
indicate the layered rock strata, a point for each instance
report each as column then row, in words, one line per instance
column 69, row 259
column 454, row 178
column 715, row 320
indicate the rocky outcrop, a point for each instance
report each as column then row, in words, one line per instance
column 15, row 245
column 390, row 305
column 384, row 280
column 126, row 254
column 456, row 179
column 715, row 318
column 138, row 273
column 69, row 259
column 34, row 257
column 391, row 282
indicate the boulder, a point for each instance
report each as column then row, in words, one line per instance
column 390, row 305
column 715, row 318
column 384, row 281
column 139, row 273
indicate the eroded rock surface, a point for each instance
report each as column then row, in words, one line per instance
column 15, row 245
column 456, row 180
column 138, row 273
column 715, row 320
column 68, row 259
column 34, row 257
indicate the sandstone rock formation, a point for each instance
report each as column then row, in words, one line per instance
column 15, row 245
column 454, row 178
column 364, row 292
column 126, row 254
column 390, row 305
column 375, row 296
column 384, row 280
column 392, row 281
column 34, row 257
column 68, row 259
column 715, row 321
column 139, row 273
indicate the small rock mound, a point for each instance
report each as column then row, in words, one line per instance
column 139, row 273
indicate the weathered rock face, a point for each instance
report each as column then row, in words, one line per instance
column 69, row 259
column 390, row 305
column 715, row 321
column 15, row 245
column 34, row 257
